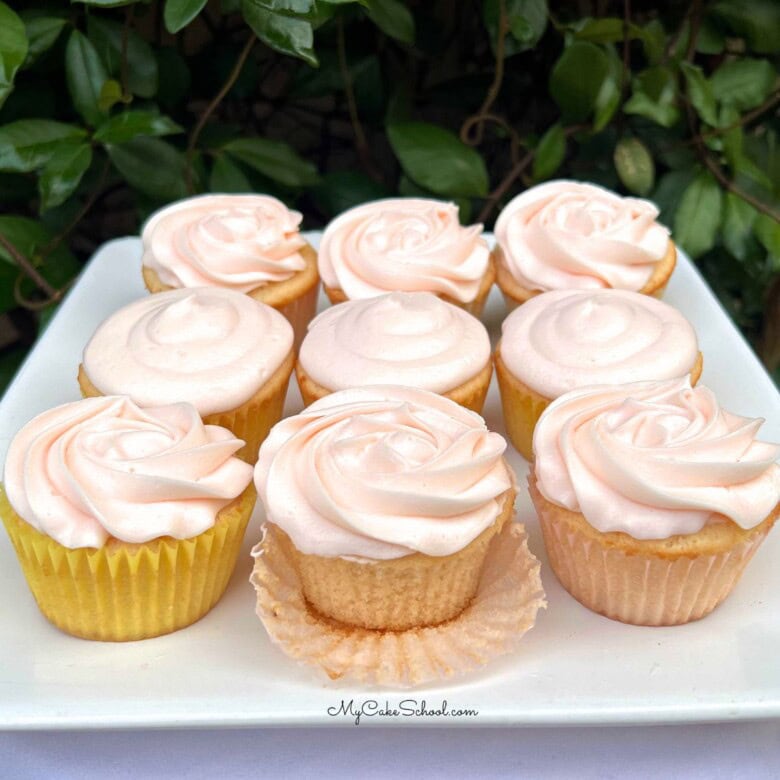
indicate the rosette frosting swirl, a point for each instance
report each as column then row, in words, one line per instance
column 560, row 340
column 103, row 467
column 409, row 244
column 568, row 235
column 382, row 472
column 241, row 242
column 412, row 339
column 654, row 459
column 211, row 347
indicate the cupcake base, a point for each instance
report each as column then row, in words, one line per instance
column 251, row 421
column 508, row 597
column 471, row 393
column 123, row 592
column 663, row 582
column 337, row 295
column 295, row 298
column 515, row 294
column 522, row 406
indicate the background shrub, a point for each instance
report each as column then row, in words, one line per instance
column 110, row 108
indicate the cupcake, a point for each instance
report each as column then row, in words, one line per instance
column 652, row 499
column 247, row 243
column 413, row 339
column 563, row 340
column 227, row 354
column 386, row 499
column 407, row 245
column 564, row 235
column 126, row 521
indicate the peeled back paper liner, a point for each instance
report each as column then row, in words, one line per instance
column 508, row 597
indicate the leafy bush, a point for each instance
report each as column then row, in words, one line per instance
column 109, row 108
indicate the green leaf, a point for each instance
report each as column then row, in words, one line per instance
column 609, row 97
column 668, row 194
column 42, row 29
column 228, row 177
column 13, row 49
column 110, row 95
column 291, row 6
column 710, row 39
column 744, row 83
column 106, row 3
column 698, row 218
column 654, row 41
column 577, row 79
column 634, row 165
column 393, row 18
column 130, row 124
column 62, row 174
column 738, row 220
column 768, row 233
column 142, row 72
column 86, row 75
column 28, row 144
column 654, row 96
column 152, row 166
column 274, row 159
column 527, row 21
column 700, row 93
column 341, row 190
column 438, row 160
column 408, row 189
column 606, row 30
column 179, row 13
column 285, row 34
column 757, row 21
column 549, row 153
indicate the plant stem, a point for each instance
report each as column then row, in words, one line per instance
column 212, row 106
column 29, row 269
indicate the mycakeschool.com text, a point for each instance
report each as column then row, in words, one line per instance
column 358, row 710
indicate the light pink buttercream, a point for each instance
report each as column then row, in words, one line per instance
column 561, row 340
column 411, row 339
column 104, row 467
column 381, row 472
column 241, row 242
column 568, row 235
column 207, row 346
column 409, row 244
column 654, row 459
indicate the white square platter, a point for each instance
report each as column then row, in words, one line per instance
column 574, row 667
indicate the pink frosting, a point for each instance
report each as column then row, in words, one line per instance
column 237, row 241
column 381, row 472
column 654, row 459
column 410, row 244
column 567, row 235
column 412, row 339
column 211, row 347
column 103, row 467
column 561, row 340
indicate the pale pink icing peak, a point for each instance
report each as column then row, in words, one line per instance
column 207, row 346
column 409, row 244
column 104, row 467
column 241, row 242
column 561, row 340
column 569, row 235
column 654, row 459
column 381, row 472
column 414, row 339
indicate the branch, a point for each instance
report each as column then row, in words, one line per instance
column 29, row 269
column 212, row 106
column 361, row 143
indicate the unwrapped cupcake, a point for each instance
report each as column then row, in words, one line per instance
column 126, row 521
column 382, row 505
column 564, row 235
column 652, row 498
column 227, row 354
column 408, row 245
column 413, row 339
column 247, row 243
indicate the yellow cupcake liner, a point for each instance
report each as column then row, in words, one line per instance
column 123, row 592
column 300, row 312
column 508, row 597
column 522, row 408
column 634, row 587
column 251, row 421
